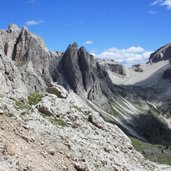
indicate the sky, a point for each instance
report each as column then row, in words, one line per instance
column 124, row 30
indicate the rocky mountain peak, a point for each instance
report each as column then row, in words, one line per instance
column 73, row 45
column 164, row 53
column 13, row 28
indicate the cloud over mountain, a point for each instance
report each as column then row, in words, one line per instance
column 129, row 56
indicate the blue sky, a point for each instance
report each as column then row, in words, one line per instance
column 119, row 29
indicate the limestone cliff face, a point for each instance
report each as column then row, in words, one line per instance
column 79, row 71
column 29, row 53
column 8, row 40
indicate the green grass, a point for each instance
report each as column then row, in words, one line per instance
column 25, row 106
column 21, row 104
column 153, row 152
column 34, row 98
column 58, row 122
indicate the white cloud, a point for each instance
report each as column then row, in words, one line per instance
column 88, row 42
column 156, row 2
column 130, row 56
column 33, row 22
column 166, row 3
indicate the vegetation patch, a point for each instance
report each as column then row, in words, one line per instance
column 20, row 104
column 25, row 106
column 154, row 152
column 55, row 121
column 58, row 122
column 34, row 98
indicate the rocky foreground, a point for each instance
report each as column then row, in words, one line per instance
column 65, row 135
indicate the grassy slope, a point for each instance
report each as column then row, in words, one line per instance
column 153, row 152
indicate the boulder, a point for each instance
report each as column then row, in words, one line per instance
column 1, row 112
column 45, row 110
column 58, row 90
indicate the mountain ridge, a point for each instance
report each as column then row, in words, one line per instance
column 32, row 77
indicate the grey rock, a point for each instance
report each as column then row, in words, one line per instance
column 45, row 110
column 1, row 112
column 137, row 68
column 86, row 63
column 162, row 53
column 77, row 70
column 58, row 90
column 95, row 122
column 71, row 68
column 112, row 66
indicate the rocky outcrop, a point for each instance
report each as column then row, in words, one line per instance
column 113, row 66
column 137, row 68
column 117, row 68
column 30, row 55
column 11, row 81
column 164, row 53
column 86, row 63
column 58, row 90
column 8, row 39
column 71, row 68
column 77, row 70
